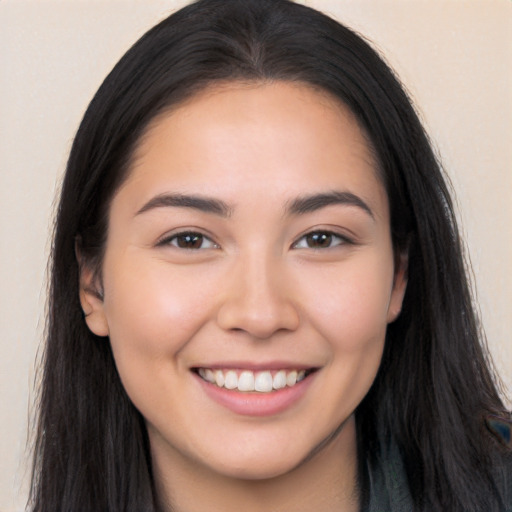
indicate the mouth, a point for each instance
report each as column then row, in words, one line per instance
column 248, row 381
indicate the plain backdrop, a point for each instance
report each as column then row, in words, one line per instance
column 454, row 56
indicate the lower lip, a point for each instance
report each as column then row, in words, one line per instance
column 255, row 403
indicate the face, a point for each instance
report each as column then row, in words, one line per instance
column 248, row 277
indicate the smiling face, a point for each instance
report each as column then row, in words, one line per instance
column 248, row 279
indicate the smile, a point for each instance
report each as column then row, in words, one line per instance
column 265, row 381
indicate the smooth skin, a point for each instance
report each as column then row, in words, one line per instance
column 259, row 276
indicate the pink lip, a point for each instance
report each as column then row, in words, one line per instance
column 245, row 365
column 254, row 403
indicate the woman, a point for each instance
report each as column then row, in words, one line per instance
column 258, row 297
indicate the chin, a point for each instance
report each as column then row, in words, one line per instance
column 266, row 459
column 259, row 469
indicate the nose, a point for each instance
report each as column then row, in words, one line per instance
column 258, row 299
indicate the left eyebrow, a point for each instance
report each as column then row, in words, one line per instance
column 313, row 202
column 196, row 202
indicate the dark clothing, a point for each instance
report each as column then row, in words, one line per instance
column 388, row 484
column 389, row 491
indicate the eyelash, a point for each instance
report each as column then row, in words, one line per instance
column 195, row 237
column 323, row 235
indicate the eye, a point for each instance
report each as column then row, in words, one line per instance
column 320, row 240
column 189, row 240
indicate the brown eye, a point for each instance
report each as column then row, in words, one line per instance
column 319, row 240
column 189, row 240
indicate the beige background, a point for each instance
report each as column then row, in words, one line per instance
column 455, row 57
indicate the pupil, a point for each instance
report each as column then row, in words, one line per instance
column 190, row 241
column 319, row 240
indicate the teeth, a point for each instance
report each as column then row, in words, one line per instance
column 219, row 378
column 291, row 378
column 263, row 382
column 231, row 381
column 247, row 381
column 279, row 381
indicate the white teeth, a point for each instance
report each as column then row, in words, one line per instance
column 219, row 378
column 231, row 380
column 279, row 381
column 263, row 382
column 247, row 381
column 206, row 375
column 291, row 378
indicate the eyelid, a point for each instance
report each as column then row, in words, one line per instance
column 343, row 239
column 166, row 239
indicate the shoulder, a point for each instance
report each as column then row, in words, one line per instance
column 502, row 431
column 503, row 478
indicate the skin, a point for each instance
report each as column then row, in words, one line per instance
column 255, row 289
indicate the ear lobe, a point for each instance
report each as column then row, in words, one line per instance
column 91, row 300
column 399, row 287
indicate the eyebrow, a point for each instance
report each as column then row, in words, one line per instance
column 313, row 202
column 196, row 202
column 299, row 206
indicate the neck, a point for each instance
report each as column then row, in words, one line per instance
column 325, row 481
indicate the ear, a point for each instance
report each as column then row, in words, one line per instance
column 399, row 286
column 91, row 298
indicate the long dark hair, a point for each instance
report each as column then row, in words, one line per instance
column 434, row 387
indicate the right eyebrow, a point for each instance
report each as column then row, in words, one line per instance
column 311, row 203
column 197, row 202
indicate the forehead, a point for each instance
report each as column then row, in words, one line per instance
column 283, row 98
column 289, row 136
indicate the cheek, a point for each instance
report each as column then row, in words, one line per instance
column 152, row 310
column 349, row 305
column 350, row 312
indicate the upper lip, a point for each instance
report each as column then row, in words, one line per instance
column 253, row 366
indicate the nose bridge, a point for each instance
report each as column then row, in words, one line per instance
column 258, row 299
